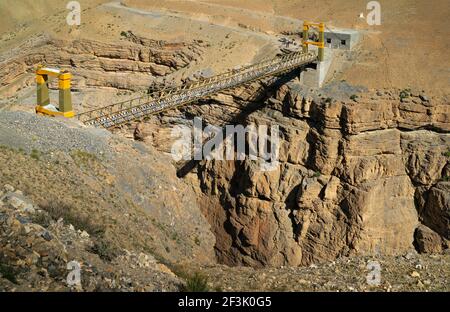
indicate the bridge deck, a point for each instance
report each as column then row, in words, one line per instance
column 119, row 113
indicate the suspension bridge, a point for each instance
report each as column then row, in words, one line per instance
column 168, row 98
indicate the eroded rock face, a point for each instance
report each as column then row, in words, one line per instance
column 132, row 64
column 436, row 210
column 354, row 178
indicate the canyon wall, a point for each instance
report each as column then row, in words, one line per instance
column 362, row 176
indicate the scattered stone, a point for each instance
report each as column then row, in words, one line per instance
column 8, row 188
column 27, row 229
column 47, row 236
column 18, row 201
column 415, row 274
column 411, row 255
column 23, row 219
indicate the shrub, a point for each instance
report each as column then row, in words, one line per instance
column 8, row 273
column 83, row 158
column 35, row 154
column 41, row 218
column 404, row 94
column 196, row 283
column 57, row 209
column 105, row 249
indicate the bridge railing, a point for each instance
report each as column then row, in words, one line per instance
column 164, row 99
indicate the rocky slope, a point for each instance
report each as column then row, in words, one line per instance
column 37, row 253
column 125, row 196
column 407, row 272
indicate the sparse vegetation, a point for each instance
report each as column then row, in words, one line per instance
column 105, row 249
column 57, row 209
column 42, row 218
column 353, row 97
column 83, row 157
column 8, row 272
column 196, row 283
column 405, row 93
column 175, row 236
column 83, row 154
column 35, row 154
column 317, row 174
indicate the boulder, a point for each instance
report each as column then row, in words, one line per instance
column 427, row 241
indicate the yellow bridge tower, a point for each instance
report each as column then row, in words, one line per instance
column 43, row 105
column 320, row 44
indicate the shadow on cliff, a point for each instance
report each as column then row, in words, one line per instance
column 255, row 103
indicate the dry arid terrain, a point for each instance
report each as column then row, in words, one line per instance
column 363, row 172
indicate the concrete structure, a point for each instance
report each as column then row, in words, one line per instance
column 344, row 39
column 314, row 75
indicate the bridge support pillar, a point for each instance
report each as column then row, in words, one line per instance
column 65, row 97
column 321, row 42
column 305, row 37
column 43, row 97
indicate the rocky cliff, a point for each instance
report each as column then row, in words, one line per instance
column 133, row 64
column 364, row 174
